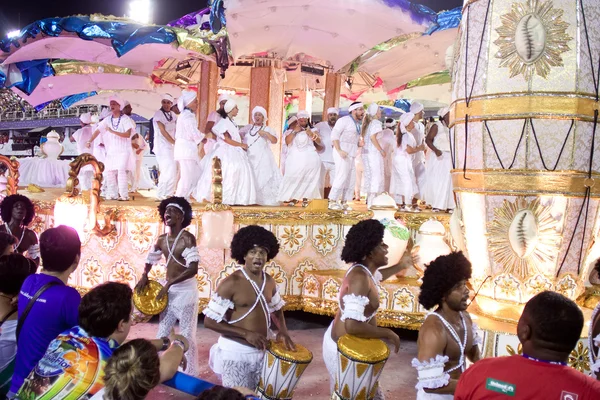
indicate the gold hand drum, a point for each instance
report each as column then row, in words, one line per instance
column 146, row 305
column 282, row 370
column 360, row 362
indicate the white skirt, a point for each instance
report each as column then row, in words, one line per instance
column 302, row 179
column 403, row 180
column 43, row 172
column 439, row 189
column 266, row 173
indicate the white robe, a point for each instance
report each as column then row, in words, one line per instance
column 387, row 140
column 118, row 148
column 346, row 131
column 376, row 161
column 165, row 153
column 302, row 170
column 439, row 192
column 82, row 136
column 403, row 186
column 418, row 158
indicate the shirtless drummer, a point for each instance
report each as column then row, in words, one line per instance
column 448, row 336
column 179, row 248
column 242, row 309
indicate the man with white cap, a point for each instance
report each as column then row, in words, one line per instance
column 117, row 129
column 82, row 136
column 419, row 158
column 327, row 164
column 164, row 122
column 187, row 140
column 345, row 138
column 388, row 143
column 439, row 192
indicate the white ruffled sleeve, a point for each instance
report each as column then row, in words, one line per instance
column 33, row 251
column 276, row 303
column 354, row 307
column 595, row 366
column 476, row 336
column 154, row 257
column 190, row 255
column 430, row 374
column 217, row 308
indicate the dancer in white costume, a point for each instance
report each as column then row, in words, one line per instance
column 117, row 131
column 403, row 186
column 291, row 123
column 213, row 118
column 47, row 170
column 239, row 187
column 439, row 192
column 388, row 143
column 418, row 132
column 267, row 176
column 301, row 180
column 164, row 122
column 448, row 336
column 375, row 154
column 187, row 141
column 82, row 136
column 242, row 309
column 97, row 148
column 345, row 138
column 327, row 164
column 179, row 248
column 139, row 177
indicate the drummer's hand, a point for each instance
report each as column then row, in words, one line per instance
column 284, row 338
column 142, row 284
column 257, row 340
column 163, row 292
column 395, row 339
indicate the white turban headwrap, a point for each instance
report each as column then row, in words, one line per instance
column 86, row 118
column 117, row 100
column 333, row 110
column 354, row 106
column 372, row 109
column 303, row 114
column 443, row 111
column 95, row 119
column 261, row 110
column 104, row 113
column 168, row 97
column 222, row 97
column 292, row 119
column 406, row 118
column 187, row 96
column 127, row 103
column 390, row 124
column 416, row 107
column 230, row 105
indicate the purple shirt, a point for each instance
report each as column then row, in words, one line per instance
column 54, row 312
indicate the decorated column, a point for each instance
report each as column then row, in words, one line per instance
column 207, row 91
column 524, row 147
column 333, row 86
column 305, row 101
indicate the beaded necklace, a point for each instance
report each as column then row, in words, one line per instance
column 462, row 345
column 115, row 127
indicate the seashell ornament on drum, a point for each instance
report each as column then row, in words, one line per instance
column 396, row 235
column 282, row 370
column 146, row 305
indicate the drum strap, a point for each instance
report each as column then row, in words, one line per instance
column 260, row 298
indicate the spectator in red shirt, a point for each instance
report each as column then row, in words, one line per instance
column 548, row 330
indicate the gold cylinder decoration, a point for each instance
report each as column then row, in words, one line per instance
column 523, row 141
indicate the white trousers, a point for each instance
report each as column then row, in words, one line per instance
column 327, row 173
column 117, row 184
column 189, row 175
column 237, row 365
column 167, row 180
column 342, row 187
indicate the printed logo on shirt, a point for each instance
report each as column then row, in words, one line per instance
column 501, row 387
column 568, row 396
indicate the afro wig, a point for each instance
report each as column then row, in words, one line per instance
column 597, row 267
column 181, row 202
column 441, row 275
column 8, row 203
column 361, row 240
column 250, row 236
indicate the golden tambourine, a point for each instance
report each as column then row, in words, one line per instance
column 145, row 300
column 370, row 351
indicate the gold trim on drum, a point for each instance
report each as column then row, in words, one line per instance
column 515, row 182
column 146, row 300
column 370, row 351
column 300, row 356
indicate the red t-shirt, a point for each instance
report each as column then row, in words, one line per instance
column 519, row 378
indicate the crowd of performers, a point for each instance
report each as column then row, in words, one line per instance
column 337, row 159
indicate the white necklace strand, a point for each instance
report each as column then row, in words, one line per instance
column 22, row 235
column 454, row 334
column 172, row 249
column 260, row 298
column 593, row 356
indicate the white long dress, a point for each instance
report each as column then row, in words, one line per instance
column 49, row 172
column 403, row 185
column 239, row 187
column 376, row 161
column 302, row 170
column 418, row 158
column 267, row 175
column 387, row 140
column 439, row 192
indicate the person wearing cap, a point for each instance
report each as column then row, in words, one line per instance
column 439, row 190
column 418, row 132
column 302, row 165
column 403, row 186
column 164, row 122
column 98, row 149
column 118, row 129
column 267, row 176
column 291, row 125
column 239, row 187
column 388, row 143
column 140, row 176
column 327, row 164
column 345, row 139
column 82, row 136
column 373, row 153
column 187, row 142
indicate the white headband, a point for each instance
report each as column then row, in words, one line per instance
column 354, row 106
column 372, row 109
column 176, row 206
column 443, row 111
column 260, row 110
column 390, row 124
column 416, row 107
column 229, row 106
column 333, row 110
column 303, row 114
column 406, row 118
column 168, row 97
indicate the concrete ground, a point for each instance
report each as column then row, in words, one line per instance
column 398, row 378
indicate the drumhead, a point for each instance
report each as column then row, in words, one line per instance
column 301, row 356
column 370, row 351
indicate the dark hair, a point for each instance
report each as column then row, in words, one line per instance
column 220, row 393
column 8, row 203
column 441, row 276
column 399, row 135
column 361, row 240
column 221, row 112
column 59, row 247
column 389, row 120
column 6, row 239
column 180, row 201
column 14, row 269
column 555, row 320
column 103, row 307
column 249, row 236
column 597, row 267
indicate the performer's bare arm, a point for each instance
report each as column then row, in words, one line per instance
column 190, row 271
column 279, row 320
column 208, row 129
column 163, row 131
column 125, row 135
column 474, row 353
column 405, row 262
column 232, row 142
column 32, row 240
column 429, row 140
column 377, row 145
column 315, row 138
column 148, row 267
column 268, row 136
column 432, row 342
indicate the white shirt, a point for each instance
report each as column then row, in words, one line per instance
column 82, row 136
column 324, row 130
column 418, row 133
column 347, row 131
column 214, row 117
column 116, row 144
column 226, row 125
column 187, row 136
column 162, row 145
column 139, row 140
column 375, row 128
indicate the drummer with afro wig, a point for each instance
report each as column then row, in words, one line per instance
column 244, row 309
column 448, row 336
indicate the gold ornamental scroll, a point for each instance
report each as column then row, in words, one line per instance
column 12, row 180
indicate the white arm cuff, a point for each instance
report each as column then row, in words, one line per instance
column 33, row 251
column 190, row 255
column 476, row 337
column 154, row 257
column 354, row 307
column 430, row 374
column 276, row 303
column 217, row 307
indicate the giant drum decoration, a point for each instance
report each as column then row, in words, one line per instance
column 523, row 140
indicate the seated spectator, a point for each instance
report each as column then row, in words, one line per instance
column 7, row 243
column 548, row 330
column 14, row 269
column 135, row 368
column 222, row 393
column 56, row 308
